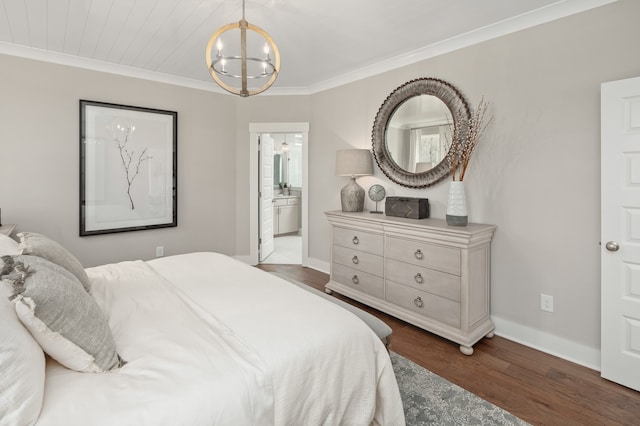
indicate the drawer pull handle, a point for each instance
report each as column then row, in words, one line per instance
column 355, row 240
column 418, row 254
column 419, row 279
column 418, row 302
column 355, row 279
column 355, row 260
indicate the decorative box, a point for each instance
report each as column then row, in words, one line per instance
column 411, row 207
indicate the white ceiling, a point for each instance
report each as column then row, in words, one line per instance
column 322, row 43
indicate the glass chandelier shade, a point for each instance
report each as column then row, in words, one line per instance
column 245, row 74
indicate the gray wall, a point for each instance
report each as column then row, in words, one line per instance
column 39, row 149
column 536, row 174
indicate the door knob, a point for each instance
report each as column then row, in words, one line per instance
column 612, row 246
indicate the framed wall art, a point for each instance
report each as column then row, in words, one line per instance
column 128, row 168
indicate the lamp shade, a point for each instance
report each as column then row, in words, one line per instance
column 354, row 162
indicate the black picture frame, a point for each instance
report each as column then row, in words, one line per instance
column 128, row 168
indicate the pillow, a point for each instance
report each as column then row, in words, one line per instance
column 42, row 246
column 63, row 318
column 23, row 364
column 8, row 246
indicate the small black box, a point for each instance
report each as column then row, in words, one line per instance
column 410, row 207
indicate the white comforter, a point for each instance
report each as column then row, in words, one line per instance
column 212, row 341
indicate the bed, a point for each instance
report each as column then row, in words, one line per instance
column 203, row 339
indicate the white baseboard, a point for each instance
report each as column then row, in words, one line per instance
column 246, row 259
column 546, row 342
column 319, row 265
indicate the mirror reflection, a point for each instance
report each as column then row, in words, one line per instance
column 411, row 132
column 287, row 160
column 416, row 135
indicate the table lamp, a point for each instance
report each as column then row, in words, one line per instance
column 353, row 162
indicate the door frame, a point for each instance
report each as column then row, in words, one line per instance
column 255, row 129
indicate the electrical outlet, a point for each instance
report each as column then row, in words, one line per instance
column 159, row 251
column 546, row 302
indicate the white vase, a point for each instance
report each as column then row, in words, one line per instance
column 457, row 205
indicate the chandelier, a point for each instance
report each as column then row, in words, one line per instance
column 253, row 72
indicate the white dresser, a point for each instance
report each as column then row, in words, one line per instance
column 424, row 272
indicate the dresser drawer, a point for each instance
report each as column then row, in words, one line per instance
column 359, row 260
column 432, row 256
column 423, row 303
column 429, row 280
column 362, row 281
column 363, row 241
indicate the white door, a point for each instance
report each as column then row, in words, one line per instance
column 620, row 228
column 266, row 196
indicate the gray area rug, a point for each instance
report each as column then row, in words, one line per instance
column 431, row 400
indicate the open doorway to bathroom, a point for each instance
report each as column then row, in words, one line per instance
column 284, row 216
column 279, row 212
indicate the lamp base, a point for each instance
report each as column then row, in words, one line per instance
column 352, row 197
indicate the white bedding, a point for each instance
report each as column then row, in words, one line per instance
column 210, row 340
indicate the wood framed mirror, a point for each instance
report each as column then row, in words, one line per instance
column 412, row 131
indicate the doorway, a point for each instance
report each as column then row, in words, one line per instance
column 280, row 226
column 279, row 213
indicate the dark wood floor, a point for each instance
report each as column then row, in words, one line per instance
column 539, row 388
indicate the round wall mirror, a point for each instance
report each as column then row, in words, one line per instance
column 413, row 129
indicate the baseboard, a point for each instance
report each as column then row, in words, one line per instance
column 319, row 265
column 549, row 343
column 245, row 259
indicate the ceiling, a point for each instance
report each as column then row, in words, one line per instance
column 322, row 43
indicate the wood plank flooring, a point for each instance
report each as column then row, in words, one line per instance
column 537, row 387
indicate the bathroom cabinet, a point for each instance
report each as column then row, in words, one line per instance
column 285, row 215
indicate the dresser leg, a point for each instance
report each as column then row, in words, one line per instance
column 490, row 335
column 467, row 350
column 328, row 291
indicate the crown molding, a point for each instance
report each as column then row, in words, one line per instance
column 517, row 23
column 530, row 19
column 106, row 67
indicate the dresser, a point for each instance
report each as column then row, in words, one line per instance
column 434, row 276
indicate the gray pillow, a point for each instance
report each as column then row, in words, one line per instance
column 40, row 245
column 62, row 317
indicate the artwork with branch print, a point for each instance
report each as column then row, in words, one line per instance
column 128, row 162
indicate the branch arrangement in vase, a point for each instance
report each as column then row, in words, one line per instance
column 464, row 138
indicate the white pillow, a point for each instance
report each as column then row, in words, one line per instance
column 23, row 365
column 8, row 246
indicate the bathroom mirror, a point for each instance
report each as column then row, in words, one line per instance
column 287, row 159
column 412, row 131
column 279, row 172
